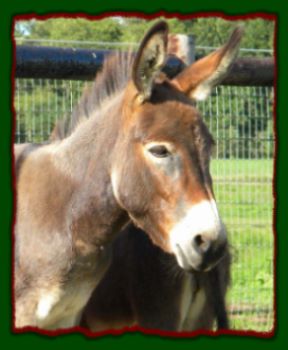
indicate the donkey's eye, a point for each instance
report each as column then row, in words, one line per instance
column 159, row 151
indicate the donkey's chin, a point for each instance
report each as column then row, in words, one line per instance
column 188, row 262
column 192, row 261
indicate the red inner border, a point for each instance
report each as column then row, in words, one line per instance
column 174, row 334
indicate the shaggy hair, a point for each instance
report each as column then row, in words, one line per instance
column 113, row 77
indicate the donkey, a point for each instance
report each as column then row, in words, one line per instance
column 144, row 285
column 143, row 155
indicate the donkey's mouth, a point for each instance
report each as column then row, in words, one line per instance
column 200, row 262
column 214, row 256
column 189, row 264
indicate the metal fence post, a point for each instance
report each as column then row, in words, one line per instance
column 183, row 47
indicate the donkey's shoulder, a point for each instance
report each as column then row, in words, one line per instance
column 21, row 152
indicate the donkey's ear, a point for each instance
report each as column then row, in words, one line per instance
column 150, row 58
column 198, row 80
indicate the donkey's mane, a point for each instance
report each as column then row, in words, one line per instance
column 114, row 75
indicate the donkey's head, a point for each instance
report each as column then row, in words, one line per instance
column 160, row 170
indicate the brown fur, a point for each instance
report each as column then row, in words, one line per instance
column 75, row 195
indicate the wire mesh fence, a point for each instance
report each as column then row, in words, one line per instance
column 242, row 172
column 241, row 121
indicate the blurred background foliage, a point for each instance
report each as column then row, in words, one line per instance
column 207, row 31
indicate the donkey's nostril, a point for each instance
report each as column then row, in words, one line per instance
column 198, row 240
column 201, row 243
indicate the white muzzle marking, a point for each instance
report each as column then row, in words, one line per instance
column 201, row 218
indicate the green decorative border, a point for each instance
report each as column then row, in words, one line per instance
column 183, row 8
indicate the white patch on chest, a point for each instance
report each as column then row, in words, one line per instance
column 45, row 305
column 115, row 183
column 61, row 309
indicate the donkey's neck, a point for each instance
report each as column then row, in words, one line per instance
column 85, row 157
column 88, row 148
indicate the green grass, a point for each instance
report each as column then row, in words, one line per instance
column 243, row 189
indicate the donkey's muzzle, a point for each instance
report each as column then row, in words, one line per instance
column 201, row 243
column 202, row 252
